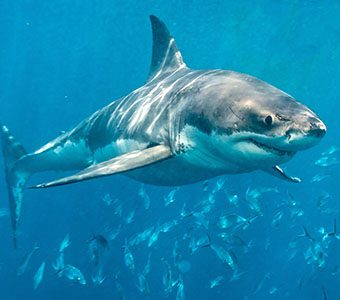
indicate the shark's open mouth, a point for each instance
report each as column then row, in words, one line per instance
column 272, row 149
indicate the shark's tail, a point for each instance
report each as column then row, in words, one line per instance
column 16, row 176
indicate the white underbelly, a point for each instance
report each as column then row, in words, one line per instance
column 179, row 171
column 117, row 148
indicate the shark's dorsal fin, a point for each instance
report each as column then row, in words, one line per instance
column 165, row 55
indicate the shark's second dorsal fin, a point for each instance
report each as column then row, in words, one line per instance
column 165, row 55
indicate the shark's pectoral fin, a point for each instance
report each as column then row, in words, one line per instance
column 126, row 162
column 278, row 172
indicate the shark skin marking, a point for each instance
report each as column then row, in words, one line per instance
column 204, row 123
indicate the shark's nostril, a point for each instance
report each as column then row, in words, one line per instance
column 317, row 132
column 317, row 129
column 313, row 126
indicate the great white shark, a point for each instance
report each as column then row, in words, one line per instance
column 181, row 127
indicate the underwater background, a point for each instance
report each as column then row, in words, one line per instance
column 62, row 60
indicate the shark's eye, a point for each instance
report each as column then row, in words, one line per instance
column 268, row 120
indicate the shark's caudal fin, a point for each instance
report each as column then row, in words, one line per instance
column 165, row 55
column 15, row 177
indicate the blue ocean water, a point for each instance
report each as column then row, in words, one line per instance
column 62, row 60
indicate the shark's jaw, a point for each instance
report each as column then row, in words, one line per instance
column 266, row 151
column 240, row 151
column 235, row 153
column 259, row 151
column 282, row 145
column 271, row 148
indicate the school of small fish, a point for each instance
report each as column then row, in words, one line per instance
column 222, row 233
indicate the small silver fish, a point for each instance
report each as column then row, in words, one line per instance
column 168, row 282
column 236, row 275
column 224, row 255
column 260, row 284
column 167, row 226
column 226, row 222
column 128, row 258
column 320, row 177
column 253, row 195
column 112, row 233
column 323, row 199
column 233, row 199
column 145, row 197
column 211, row 199
column 108, row 200
column 273, row 290
column 315, row 255
column 277, row 218
column 39, row 275
column 154, row 237
column 65, row 243
column 180, row 290
column 184, row 213
column 194, row 244
column 331, row 150
column 170, row 198
column 130, row 216
column 73, row 274
column 327, row 161
column 216, row 281
column 201, row 219
column 141, row 237
column 98, row 278
column 205, row 185
column 147, row 267
column 25, row 260
column 143, row 285
column 256, row 192
column 117, row 207
column 219, row 185
column 233, row 239
column 59, row 264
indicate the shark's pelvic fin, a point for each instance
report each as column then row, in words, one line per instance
column 165, row 55
column 126, row 162
column 16, row 177
column 278, row 172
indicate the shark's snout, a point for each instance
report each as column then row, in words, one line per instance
column 313, row 128
column 308, row 134
column 317, row 128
